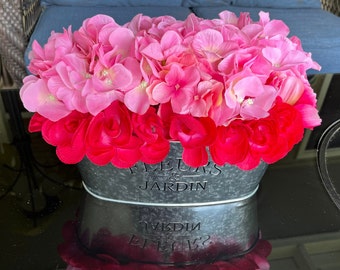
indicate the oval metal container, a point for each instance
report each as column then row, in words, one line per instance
column 170, row 181
column 169, row 213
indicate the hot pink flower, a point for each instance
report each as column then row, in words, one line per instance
column 306, row 106
column 290, row 130
column 195, row 134
column 263, row 141
column 149, row 128
column 109, row 138
column 68, row 135
column 231, row 144
column 310, row 116
column 36, row 122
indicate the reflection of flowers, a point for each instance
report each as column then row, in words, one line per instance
column 119, row 94
column 79, row 258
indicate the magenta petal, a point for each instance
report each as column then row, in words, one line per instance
column 195, row 157
column 68, row 155
column 310, row 116
column 155, row 153
column 127, row 156
column 74, row 151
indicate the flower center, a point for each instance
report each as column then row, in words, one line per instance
column 108, row 81
column 245, row 101
column 249, row 101
column 105, row 72
column 240, row 99
column 51, row 98
column 143, row 84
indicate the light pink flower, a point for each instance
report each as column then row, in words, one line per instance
column 163, row 24
column 220, row 112
column 94, row 30
column 122, row 41
column 155, row 54
column 177, row 87
column 291, row 90
column 170, row 43
column 111, row 73
column 250, row 98
column 202, row 97
column 110, row 80
column 97, row 101
column 44, row 58
column 282, row 54
column 210, row 44
column 139, row 24
column 137, row 99
column 69, row 82
column 229, row 17
column 237, row 60
column 37, row 98
column 272, row 28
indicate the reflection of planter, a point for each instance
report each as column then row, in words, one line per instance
column 168, row 212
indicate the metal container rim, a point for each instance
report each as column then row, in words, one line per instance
column 209, row 203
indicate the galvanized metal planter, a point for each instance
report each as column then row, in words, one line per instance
column 169, row 213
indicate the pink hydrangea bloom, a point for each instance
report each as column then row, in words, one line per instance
column 37, row 97
column 250, row 102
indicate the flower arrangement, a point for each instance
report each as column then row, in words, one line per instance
column 230, row 89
